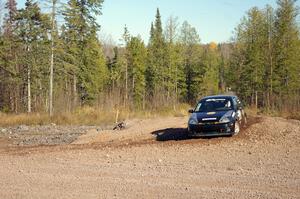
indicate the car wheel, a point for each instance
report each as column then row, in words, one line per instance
column 236, row 128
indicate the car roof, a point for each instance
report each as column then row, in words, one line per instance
column 219, row 97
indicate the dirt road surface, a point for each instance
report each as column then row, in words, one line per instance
column 154, row 159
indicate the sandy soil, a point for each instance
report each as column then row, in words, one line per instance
column 154, row 159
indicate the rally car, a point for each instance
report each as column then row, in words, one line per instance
column 216, row 116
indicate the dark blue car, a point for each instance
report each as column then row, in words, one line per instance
column 216, row 116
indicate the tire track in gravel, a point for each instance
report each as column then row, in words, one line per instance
column 172, row 136
column 260, row 162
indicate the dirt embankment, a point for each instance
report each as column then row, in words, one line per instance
column 154, row 159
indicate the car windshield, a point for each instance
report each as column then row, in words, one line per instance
column 208, row 105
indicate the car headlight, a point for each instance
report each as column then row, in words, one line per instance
column 193, row 121
column 227, row 116
column 224, row 120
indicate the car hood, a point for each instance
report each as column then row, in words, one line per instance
column 211, row 116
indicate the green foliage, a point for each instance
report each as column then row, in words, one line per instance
column 137, row 67
column 287, row 70
column 252, row 36
column 156, row 69
column 175, row 78
column 115, row 67
column 93, row 74
column 193, row 66
column 264, row 66
column 261, row 64
column 32, row 31
column 211, row 62
column 85, row 57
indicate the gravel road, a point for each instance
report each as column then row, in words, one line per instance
column 154, row 159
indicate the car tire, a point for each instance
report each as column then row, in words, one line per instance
column 236, row 128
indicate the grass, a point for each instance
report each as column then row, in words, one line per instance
column 288, row 114
column 94, row 116
column 88, row 116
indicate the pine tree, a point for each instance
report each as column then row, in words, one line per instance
column 156, row 67
column 264, row 67
column 81, row 29
column 58, row 78
column 137, row 66
column 124, row 61
column 174, row 62
column 114, row 70
column 9, row 56
column 93, row 76
column 249, row 65
column 53, row 37
column 193, row 67
column 211, row 63
column 150, row 70
column 286, row 72
column 33, row 27
column 269, row 56
column 11, row 6
column 255, row 54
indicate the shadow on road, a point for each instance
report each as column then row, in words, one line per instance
column 171, row 134
column 179, row 134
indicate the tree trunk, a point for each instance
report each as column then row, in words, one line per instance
column 126, row 85
column 52, row 60
column 51, row 83
column 270, row 98
column 176, row 89
column 74, row 91
column 29, row 89
column 256, row 100
column 144, row 101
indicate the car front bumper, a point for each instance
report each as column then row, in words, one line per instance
column 208, row 129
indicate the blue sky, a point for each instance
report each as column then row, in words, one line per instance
column 214, row 20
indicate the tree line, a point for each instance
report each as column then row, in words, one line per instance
column 265, row 57
column 54, row 60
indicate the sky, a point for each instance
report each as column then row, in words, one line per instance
column 214, row 20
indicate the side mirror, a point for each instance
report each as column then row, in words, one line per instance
column 191, row 111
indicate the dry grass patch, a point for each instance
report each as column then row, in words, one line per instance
column 89, row 116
